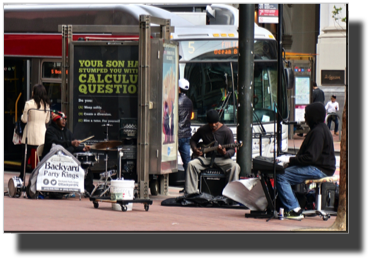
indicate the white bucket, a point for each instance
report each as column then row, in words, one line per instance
column 122, row 190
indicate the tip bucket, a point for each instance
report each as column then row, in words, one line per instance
column 122, row 190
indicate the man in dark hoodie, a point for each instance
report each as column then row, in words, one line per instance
column 57, row 133
column 314, row 160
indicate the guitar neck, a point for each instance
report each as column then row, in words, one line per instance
column 231, row 145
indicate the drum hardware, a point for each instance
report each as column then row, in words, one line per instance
column 105, row 145
column 107, row 175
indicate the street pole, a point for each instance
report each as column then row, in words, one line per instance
column 245, row 86
column 279, row 80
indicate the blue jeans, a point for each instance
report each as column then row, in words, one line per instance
column 294, row 175
column 184, row 151
column 336, row 122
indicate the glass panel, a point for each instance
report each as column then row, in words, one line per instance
column 211, row 88
column 15, row 75
column 54, row 92
column 265, row 89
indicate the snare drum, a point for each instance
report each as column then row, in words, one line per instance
column 86, row 158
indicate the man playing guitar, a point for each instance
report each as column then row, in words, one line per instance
column 221, row 135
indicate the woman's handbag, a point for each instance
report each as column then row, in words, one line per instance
column 17, row 132
column 19, row 127
column 16, row 138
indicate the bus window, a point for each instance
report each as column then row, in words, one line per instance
column 211, row 87
column 265, row 92
column 54, row 92
column 51, row 79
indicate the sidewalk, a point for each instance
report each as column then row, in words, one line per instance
column 73, row 215
column 297, row 141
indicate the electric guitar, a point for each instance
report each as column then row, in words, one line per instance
column 209, row 148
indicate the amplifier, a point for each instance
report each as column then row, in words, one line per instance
column 212, row 181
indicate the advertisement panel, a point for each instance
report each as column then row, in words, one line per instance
column 169, row 99
column 104, row 88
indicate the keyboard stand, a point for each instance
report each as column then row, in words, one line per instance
column 269, row 194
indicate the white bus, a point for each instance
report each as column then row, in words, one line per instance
column 209, row 60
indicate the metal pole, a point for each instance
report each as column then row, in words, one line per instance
column 279, row 79
column 63, row 69
column 143, row 108
column 245, row 86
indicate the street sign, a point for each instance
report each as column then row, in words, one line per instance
column 268, row 13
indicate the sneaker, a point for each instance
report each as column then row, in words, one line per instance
column 336, row 133
column 182, row 191
column 294, row 215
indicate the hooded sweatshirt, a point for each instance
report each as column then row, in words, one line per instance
column 318, row 147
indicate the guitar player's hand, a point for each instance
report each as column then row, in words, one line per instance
column 198, row 151
column 221, row 150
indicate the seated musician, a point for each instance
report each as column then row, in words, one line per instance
column 314, row 160
column 57, row 133
column 212, row 131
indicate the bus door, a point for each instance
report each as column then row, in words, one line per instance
column 16, row 92
column 51, row 79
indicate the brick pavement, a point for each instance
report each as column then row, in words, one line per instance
column 72, row 214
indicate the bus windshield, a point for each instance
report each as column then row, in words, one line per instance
column 213, row 80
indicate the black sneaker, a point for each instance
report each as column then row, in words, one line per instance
column 182, row 191
column 292, row 215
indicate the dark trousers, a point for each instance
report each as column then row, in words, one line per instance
column 29, row 151
column 336, row 122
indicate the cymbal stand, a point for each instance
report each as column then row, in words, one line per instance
column 120, row 154
column 106, row 176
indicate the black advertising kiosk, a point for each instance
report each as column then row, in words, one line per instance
column 125, row 91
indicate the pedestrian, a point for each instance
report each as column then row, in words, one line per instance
column 314, row 160
column 213, row 131
column 332, row 107
column 185, row 109
column 318, row 94
column 36, row 121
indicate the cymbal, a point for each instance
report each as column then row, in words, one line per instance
column 106, row 145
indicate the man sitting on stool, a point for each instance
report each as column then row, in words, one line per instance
column 213, row 131
column 314, row 160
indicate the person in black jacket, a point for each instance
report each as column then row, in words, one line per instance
column 318, row 94
column 314, row 160
column 185, row 108
column 57, row 133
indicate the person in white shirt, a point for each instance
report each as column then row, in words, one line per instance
column 332, row 107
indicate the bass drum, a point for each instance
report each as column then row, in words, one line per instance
column 14, row 187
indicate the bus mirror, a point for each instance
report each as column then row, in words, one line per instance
column 289, row 75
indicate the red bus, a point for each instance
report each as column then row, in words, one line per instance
column 33, row 51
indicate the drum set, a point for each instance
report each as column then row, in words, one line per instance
column 89, row 159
